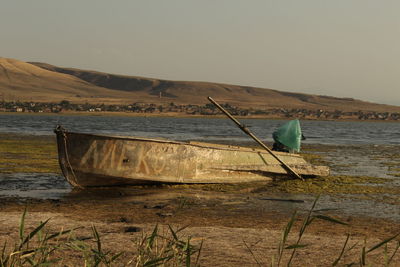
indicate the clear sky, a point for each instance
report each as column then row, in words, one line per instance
column 343, row 48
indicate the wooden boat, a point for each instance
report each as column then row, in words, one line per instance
column 104, row 160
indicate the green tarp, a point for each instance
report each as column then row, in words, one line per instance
column 289, row 134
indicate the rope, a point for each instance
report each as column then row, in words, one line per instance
column 74, row 181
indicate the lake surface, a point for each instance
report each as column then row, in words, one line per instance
column 207, row 129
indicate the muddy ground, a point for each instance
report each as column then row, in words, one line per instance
column 225, row 224
column 238, row 224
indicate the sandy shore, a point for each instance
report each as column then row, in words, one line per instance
column 225, row 224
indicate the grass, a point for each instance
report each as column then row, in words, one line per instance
column 39, row 247
column 291, row 248
column 27, row 252
column 165, row 250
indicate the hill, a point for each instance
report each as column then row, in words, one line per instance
column 47, row 83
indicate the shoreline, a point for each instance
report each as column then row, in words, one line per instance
column 224, row 227
column 180, row 115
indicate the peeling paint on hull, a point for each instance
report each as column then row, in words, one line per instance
column 102, row 160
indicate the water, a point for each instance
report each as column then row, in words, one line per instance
column 208, row 129
column 34, row 185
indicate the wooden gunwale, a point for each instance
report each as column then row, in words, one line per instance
column 190, row 143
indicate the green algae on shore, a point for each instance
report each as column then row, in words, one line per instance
column 28, row 154
column 340, row 184
column 331, row 185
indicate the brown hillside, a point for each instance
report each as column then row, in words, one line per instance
column 27, row 82
column 44, row 82
column 196, row 92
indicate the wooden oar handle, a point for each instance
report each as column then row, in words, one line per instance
column 247, row 131
column 241, row 126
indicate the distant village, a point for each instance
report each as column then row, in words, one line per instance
column 202, row 110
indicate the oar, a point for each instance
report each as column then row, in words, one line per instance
column 247, row 131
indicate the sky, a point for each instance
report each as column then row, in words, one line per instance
column 342, row 48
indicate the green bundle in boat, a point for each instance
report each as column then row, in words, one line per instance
column 288, row 137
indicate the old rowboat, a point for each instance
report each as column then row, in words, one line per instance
column 102, row 160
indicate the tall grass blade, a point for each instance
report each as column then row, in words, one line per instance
column 156, row 262
column 353, row 246
column 383, row 242
column 198, row 253
column 329, row 219
column 336, row 262
column 3, row 251
column 285, row 235
column 150, row 241
column 78, row 246
column 22, row 226
column 386, row 254
column 31, row 262
column 187, row 250
column 173, row 233
column 307, row 221
column 59, row 234
column 252, row 254
column 32, row 234
column 363, row 254
column 97, row 238
column 394, row 253
column 294, row 246
column 182, row 228
column 116, row 256
column 27, row 253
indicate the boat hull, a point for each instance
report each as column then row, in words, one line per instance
column 100, row 160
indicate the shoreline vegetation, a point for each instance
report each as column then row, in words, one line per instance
column 166, row 246
column 176, row 110
column 21, row 153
